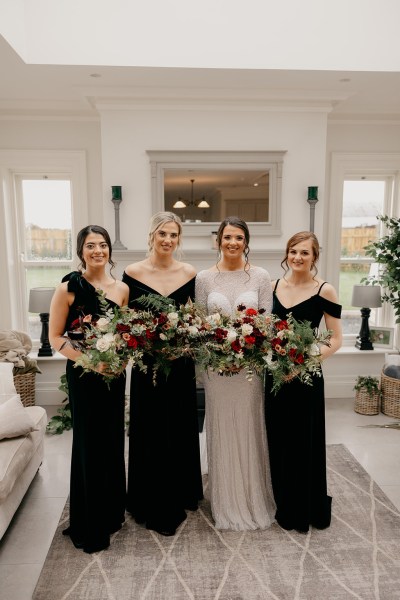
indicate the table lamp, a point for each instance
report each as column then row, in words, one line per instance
column 366, row 297
column 39, row 302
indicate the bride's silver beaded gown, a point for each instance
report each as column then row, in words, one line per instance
column 238, row 464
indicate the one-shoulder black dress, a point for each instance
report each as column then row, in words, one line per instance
column 164, row 473
column 98, row 484
column 295, row 421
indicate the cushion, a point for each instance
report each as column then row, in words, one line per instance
column 7, row 386
column 17, row 453
column 392, row 371
column 14, row 419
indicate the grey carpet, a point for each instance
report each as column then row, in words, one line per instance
column 357, row 557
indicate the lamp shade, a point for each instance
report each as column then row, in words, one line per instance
column 40, row 298
column 366, row 296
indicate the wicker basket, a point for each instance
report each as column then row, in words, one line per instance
column 367, row 403
column 25, row 386
column 390, row 387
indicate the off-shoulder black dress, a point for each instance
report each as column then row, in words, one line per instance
column 98, row 485
column 295, row 421
column 164, row 473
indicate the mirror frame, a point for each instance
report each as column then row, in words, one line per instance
column 162, row 160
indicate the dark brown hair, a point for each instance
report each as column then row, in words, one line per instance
column 235, row 222
column 81, row 238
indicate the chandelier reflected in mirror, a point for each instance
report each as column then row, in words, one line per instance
column 201, row 203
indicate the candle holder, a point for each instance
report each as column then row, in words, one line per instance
column 312, row 200
column 116, row 199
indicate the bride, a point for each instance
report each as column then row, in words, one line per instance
column 238, row 465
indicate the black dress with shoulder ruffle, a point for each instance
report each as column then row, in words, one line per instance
column 295, row 421
column 98, row 485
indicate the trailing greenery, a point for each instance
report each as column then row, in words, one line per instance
column 368, row 383
column 386, row 251
column 62, row 421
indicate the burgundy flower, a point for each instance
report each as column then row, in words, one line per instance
column 236, row 347
column 132, row 342
column 220, row 334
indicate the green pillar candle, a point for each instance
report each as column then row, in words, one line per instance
column 116, row 192
column 313, row 193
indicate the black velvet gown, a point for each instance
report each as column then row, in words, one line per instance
column 295, row 421
column 164, row 474
column 98, row 484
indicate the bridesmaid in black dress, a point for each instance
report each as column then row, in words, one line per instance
column 97, row 489
column 295, row 416
column 164, row 474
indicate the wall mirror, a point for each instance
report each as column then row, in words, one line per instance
column 205, row 187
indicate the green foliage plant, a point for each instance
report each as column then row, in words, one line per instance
column 368, row 383
column 62, row 421
column 386, row 252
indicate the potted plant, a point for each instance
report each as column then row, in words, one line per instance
column 386, row 251
column 62, row 421
column 368, row 395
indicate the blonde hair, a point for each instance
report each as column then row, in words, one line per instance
column 158, row 220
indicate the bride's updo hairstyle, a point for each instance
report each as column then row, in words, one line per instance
column 80, row 242
column 302, row 236
column 158, row 220
column 235, row 222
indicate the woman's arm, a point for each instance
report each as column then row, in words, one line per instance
column 200, row 291
column 59, row 308
column 265, row 292
column 335, row 325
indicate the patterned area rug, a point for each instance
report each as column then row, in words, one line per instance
column 357, row 557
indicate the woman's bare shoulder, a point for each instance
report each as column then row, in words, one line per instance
column 188, row 269
column 328, row 292
column 137, row 268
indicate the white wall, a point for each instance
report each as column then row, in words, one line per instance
column 127, row 135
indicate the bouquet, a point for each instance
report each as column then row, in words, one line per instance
column 118, row 337
column 179, row 331
column 255, row 341
column 235, row 342
column 293, row 351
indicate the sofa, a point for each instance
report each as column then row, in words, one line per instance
column 22, row 431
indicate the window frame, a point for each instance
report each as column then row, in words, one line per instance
column 345, row 167
column 23, row 164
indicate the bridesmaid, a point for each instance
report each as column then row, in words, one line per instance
column 295, row 416
column 164, row 476
column 97, row 494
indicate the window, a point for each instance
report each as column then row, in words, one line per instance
column 363, row 200
column 45, row 235
column 43, row 206
column 362, row 186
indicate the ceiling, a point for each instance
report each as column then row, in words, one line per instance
column 80, row 90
